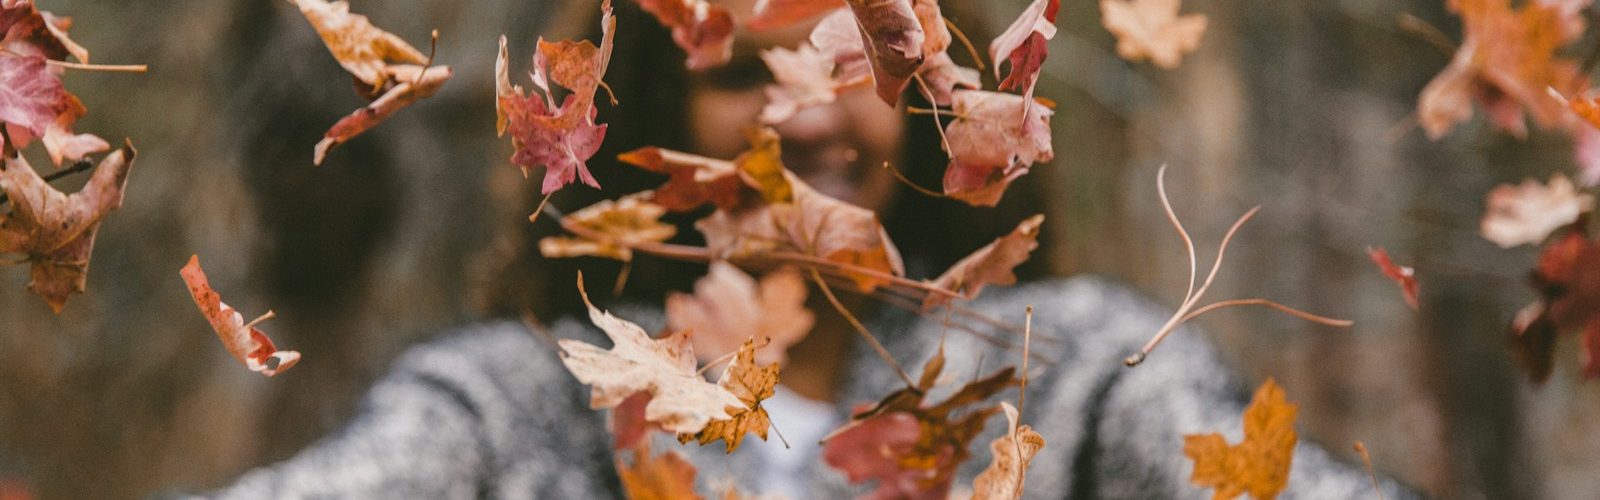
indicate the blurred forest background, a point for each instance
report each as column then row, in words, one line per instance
column 1303, row 106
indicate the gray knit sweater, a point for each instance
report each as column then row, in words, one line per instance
column 490, row 412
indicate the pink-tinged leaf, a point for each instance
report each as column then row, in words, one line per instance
column 31, row 96
column 560, row 139
column 944, row 76
column 243, row 340
column 56, row 230
column 415, row 84
column 803, row 78
column 871, row 450
column 893, row 43
column 62, row 144
column 702, row 30
column 990, row 265
column 994, row 140
column 627, row 424
column 27, row 31
column 1528, row 213
column 1024, row 45
column 1152, row 29
column 1405, row 276
column 773, row 14
column 729, row 307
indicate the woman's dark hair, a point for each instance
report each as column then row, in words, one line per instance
column 648, row 76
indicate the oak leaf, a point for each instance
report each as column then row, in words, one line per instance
column 1405, row 276
column 1152, row 29
column 1527, row 213
column 682, row 401
column 610, row 228
column 559, row 138
column 243, row 340
column 55, row 230
column 1013, row 451
column 994, row 140
column 729, row 306
column 693, row 180
column 990, row 265
column 701, row 29
column 1507, row 62
column 1259, row 465
column 752, row 383
column 1025, row 44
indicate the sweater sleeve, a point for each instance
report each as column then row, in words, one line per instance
column 472, row 415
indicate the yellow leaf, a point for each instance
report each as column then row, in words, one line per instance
column 1260, row 464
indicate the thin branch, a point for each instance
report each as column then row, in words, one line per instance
column 1027, row 337
column 1224, row 304
column 1188, row 243
column 1366, row 459
column 861, row 329
column 433, row 48
column 944, row 142
column 904, row 180
column 1427, row 32
column 939, row 112
column 109, row 68
column 542, row 203
column 966, row 42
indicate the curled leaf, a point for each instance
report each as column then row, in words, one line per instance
column 1152, row 29
column 1012, row 451
column 1259, row 465
column 243, row 340
column 1406, row 277
column 1527, row 213
column 729, row 306
column 990, row 265
column 56, row 230
column 1025, row 44
column 994, row 140
column 693, row 180
column 415, row 83
column 559, row 138
column 893, row 42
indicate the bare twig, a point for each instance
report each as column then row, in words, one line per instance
column 861, row 329
column 966, row 42
column 1367, row 459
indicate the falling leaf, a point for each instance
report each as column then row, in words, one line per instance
column 657, row 477
column 56, row 230
column 391, row 71
column 813, row 224
column 773, row 14
column 1025, row 44
column 990, row 265
column 1515, row 215
column 610, row 229
column 1405, row 276
column 627, row 423
column 702, row 30
column 1012, row 451
column 944, row 76
column 993, row 141
column 753, row 384
column 244, row 341
column 803, row 78
column 729, row 306
column 31, row 95
column 559, row 138
column 693, row 180
column 893, row 41
column 912, row 450
column 1259, row 465
column 681, row 402
column 33, row 103
column 62, row 143
column 1152, row 29
column 1567, row 280
column 1507, row 62
column 761, row 167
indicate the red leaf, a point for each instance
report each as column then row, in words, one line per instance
column 773, row 14
column 893, row 41
column 31, row 96
column 1405, row 276
column 243, row 340
column 693, row 180
column 1025, row 45
column 703, row 30
column 561, row 139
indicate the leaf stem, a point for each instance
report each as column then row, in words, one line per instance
column 977, row 59
column 861, row 329
column 110, row 68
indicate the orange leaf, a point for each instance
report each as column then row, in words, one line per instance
column 243, row 340
column 610, row 229
column 660, row 477
column 752, row 384
column 1259, row 465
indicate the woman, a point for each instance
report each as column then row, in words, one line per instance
column 490, row 410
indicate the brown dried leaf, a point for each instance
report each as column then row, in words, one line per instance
column 752, row 384
column 1259, row 465
column 990, row 265
column 56, row 230
column 363, row 49
column 693, row 180
column 1012, row 452
column 1152, row 29
column 893, row 43
column 610, row 229
column 729, row 306
column 660, row 477
column 1515, row 215
column 243, row 340
column 415, row 84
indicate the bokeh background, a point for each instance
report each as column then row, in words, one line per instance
column 1303, row 106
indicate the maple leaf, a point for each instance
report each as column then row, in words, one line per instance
column 31, row 96
column 681, row 401
column 1507, row 62
column 702, row 30
column 1259, row 465
column 1152, row 29
column 753, row 384
column 995, row 138
column 33, row 103
column 812, row 224
column 1012, row 451
column 391, row 72
column 610, row 229
column 803, row 78
column 60, row 141
column 990, row 265
column 773, row 14
column 55, row 230
column 559, row 138
column 912, row 450
column 729, row 306
column 693, row 180
column 1515, row 215
column 893, row 41
column 657, row 477
column 1025, row 44
column 1405, row 276
column 1567, row 279
column 243, row 340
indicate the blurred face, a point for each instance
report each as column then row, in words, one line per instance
column 838, row 148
